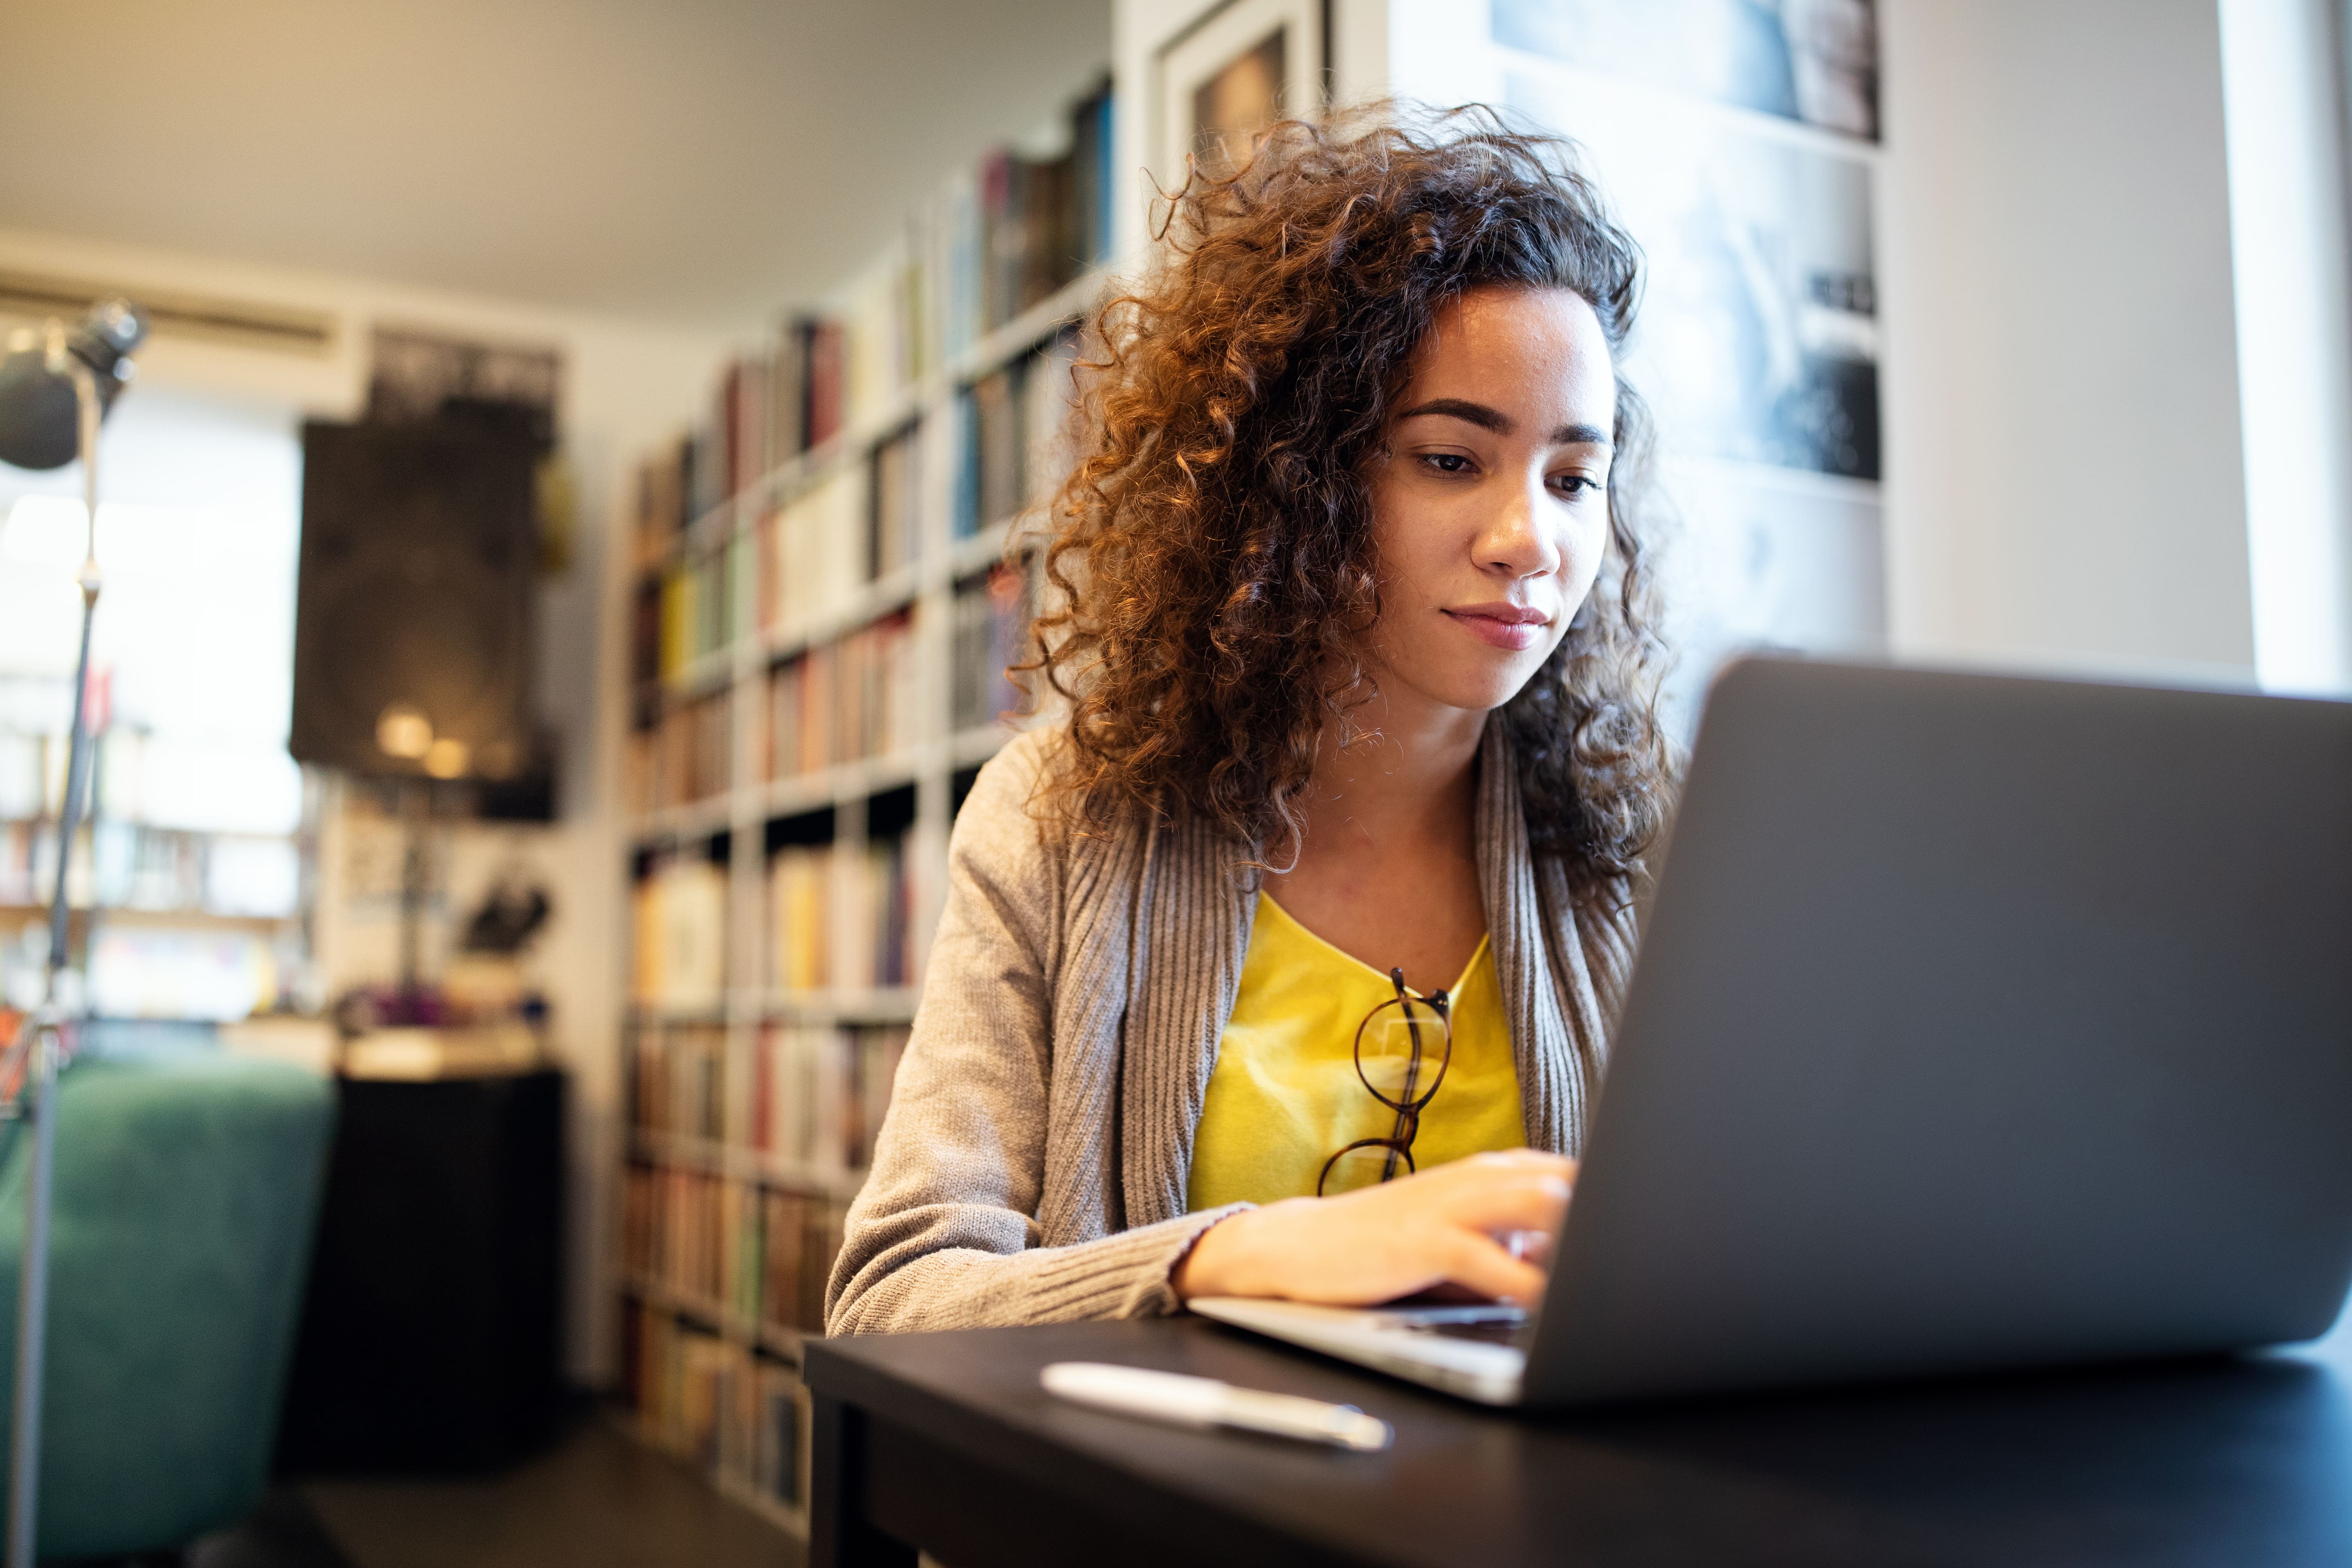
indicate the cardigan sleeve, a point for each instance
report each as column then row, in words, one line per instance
column 944, row 1233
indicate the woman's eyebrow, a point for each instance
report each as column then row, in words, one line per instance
column 1501, row 424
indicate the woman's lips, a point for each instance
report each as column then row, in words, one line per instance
column 1514, row 627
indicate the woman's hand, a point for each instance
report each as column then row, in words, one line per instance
column 1438, row 1228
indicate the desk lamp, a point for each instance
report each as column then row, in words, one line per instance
column 56, row 388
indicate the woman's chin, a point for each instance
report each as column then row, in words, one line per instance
column 1495, row 682
column 1444, row 678
column 1480, row 694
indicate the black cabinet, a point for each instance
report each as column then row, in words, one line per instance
column 431, row 1335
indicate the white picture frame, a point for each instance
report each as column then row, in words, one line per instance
column 1230, row 43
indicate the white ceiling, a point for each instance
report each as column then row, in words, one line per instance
column 698, row 162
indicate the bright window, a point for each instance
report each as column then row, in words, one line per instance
column 194, row 858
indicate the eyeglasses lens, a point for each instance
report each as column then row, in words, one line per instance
column 1400, row 1052
column 1359, row 1168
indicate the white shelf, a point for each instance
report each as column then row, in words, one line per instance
column 721, row 1159
column 644, row 1013
column 680, row 1303
column 130, row 915
column 833, row 787
column 843, row 782
column 700, row 677
column 696, row 819
column 881, row 1005
column 871, row 603
column 774, row 1339
column 969, row 556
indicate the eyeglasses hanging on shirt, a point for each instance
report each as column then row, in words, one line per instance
column 1403, row 1048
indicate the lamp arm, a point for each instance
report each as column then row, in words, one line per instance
column 93, row 410
column 37, row 1096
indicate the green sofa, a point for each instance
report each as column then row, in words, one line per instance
column 186, row 1188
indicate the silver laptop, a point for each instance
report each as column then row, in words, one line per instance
column 1979, row 1023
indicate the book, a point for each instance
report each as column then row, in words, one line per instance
column 779, row 1467
column 677, row 1080
column 992, row 614
column 646, row 633
column 841, row 917
column 1047, row 428
column 883, row 328
column 826, row 1089
column 896, row 516
column 1049, row 254
column 704, row 1398
column 828, row 391
column 811, row 551
column 991, row 487
column 800, row 915
column 686, row 755
column 1018, row 437
column 1094, row 217
column 679, row 915
column 843, row 700
column 958, row 241
column 747, row 402
column 872, row 1071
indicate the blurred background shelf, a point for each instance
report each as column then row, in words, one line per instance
column 832, row 574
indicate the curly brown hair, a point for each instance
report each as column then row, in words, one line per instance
column 1214, row 561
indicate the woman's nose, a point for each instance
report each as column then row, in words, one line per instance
column 1513, row 540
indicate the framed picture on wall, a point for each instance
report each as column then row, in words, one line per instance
column 1220, row 84
column 1814, row 61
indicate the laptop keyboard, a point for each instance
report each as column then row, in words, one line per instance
column 1521, row 1334
column 1484, row 1324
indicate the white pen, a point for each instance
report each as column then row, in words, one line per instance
column 1183, row 1401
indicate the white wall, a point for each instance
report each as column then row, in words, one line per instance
column 2280, row 71
column 627, row 385
column 2065, row 477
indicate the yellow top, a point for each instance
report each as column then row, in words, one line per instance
column 1285, row 1095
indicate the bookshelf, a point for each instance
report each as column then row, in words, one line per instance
column 823, row 597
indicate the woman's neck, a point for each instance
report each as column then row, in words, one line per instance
column 1385, row 866
column 1392, row 781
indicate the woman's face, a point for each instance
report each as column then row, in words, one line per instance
column 1490, row 509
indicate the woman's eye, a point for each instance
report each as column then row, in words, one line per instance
column 1575, row 486
column 1447, row 462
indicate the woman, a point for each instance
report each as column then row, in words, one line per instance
column 1355, row 650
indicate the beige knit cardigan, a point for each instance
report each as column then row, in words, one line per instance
column 1032, row 1165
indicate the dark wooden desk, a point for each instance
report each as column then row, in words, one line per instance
column 947, row 1442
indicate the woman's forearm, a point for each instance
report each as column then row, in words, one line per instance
column 925, row 1281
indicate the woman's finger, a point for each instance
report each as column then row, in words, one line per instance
column 1474, row 1260
column 1513, row 1159
column 1529, row 1246
column 1510, row 1201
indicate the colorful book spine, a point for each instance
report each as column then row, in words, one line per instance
column 812, row 551
column 896, row 516
column 753, row 1253
column 679, row 915
column 991, row 635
